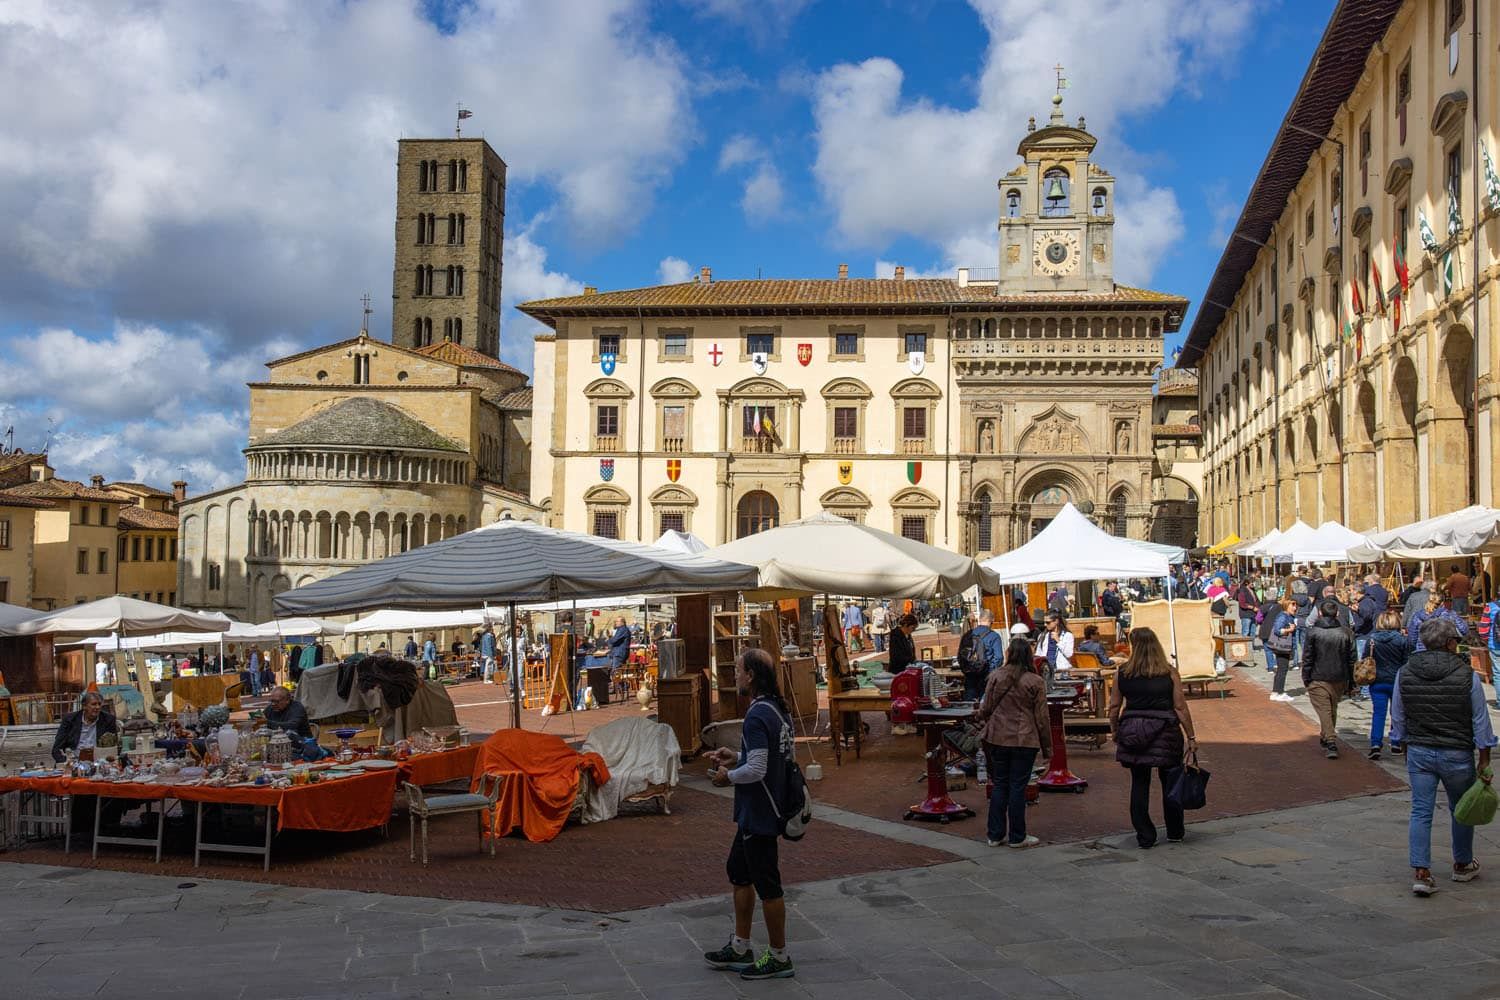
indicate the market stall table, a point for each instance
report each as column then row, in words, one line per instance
column 1058, row 778
column 857, row 701
column 440, row 766
column 939, row 806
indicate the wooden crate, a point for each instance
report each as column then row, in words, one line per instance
column 679, row 705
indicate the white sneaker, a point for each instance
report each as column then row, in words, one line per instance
column 1282, row 697
column 1030, row 841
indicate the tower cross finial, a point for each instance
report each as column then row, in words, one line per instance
column 364, row 323
column 1062, row 81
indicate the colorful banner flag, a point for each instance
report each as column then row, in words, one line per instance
column 1424, row 231
column 1396, row 309
column 1455, row 221
column 1447, row 275
column 1491, row 181
column 1403, row 273
column 1379, row 288
column 1355, row 300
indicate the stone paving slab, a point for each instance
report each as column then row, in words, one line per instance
column 1311, row 902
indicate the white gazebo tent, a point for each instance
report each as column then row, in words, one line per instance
column 1175, row 553
column 278, row 627
column 683, row 542
column 1281, row 549
column 1329, row 542
column 1073, row 548
column 122, row 615
column 1258, row 547
column 1468, row 532
column 12, row 615
column 828, row 554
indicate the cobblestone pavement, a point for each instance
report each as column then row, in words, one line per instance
column 1307, row 902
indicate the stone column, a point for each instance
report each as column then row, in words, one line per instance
column 1363, row 512
column 1399, row 448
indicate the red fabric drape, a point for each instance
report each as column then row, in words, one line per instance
column 542, row 780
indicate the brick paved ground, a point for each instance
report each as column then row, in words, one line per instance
column 1310, row 902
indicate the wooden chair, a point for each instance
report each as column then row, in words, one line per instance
column 425, row 806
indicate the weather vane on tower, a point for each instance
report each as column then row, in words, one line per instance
column 364, row 323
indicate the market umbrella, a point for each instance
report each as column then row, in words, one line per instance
column 1224, row 544
column 514, row 562
column 681, row 541
column 12, row 615
column 278, row 627
column 828, row 554
column 399, row 620
column 121, row 614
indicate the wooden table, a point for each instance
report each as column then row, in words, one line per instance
column 861, row 700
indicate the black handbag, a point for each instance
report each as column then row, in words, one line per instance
column 1188, row 788
column 1281, row 644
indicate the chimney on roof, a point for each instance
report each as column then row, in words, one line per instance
column 179, row 490
column 900, row 274
column 843, row 272
column 590, row 290
column 97, row 481
column 705, row 275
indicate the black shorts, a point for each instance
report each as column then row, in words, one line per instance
column 753, row 861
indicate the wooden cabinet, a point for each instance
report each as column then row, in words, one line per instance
column 798, row 678
column 679, row 705
column 728, row 642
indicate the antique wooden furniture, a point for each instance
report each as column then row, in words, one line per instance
column 679, row 705
column 482, row 802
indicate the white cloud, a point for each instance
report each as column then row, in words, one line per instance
column 887, row 269
column 762, row 196
column 764, row 20
column 232, row 164
column 526, row 277
column 674, row 271
column 891, row 166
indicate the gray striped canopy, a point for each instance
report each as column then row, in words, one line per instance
column 514, row 561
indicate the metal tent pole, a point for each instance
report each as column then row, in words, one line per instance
column 515, row 670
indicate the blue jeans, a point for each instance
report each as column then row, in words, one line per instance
column 1426, row 767
column 1380, row 696
column 1247, row 625
column 1010, row 771
column 1270, row 656
column 1495, row 671
column 879, row 639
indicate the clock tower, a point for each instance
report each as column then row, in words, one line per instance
column 1057, row 216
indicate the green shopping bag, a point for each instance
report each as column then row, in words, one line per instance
column 1477, row 807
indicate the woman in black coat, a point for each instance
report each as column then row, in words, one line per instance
column 1390, row 647
column 1150, row 720
column 903, row 650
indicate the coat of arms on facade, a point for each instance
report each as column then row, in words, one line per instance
column 759, row 362
column 716, row 354
column 606, row 469
column 914, row 472
column 804, row 354
column 846, row 473
column 607, row 362
column 916, row 361
column 674, row 469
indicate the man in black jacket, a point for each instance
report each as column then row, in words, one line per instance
column 81, row 730
column 1110, row 601
column 1327, row 671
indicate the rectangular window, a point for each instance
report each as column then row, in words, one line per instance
column 673, row 427
column 846, row 344
column 759, row 421
column 607, row 423
column 1453, row 179
column 1310, row 224
column 674, row 343
column 213, row 576
column 103, row 560
column 1259, row 300
column 1290, row 251
column 914, row 528
column 760, row 343
column 120, row 555
column 1364, row 157
column 609, row 343
column 845, row 423
column 103, row 515
column 83, row 513
column 4, row 532
column 172, row 549
column 607, row 524
column 4, row 591
column 914, row 423
column 916, row 343
column 674, row 520
column 83, row 562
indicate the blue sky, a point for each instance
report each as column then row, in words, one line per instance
column 195, row 188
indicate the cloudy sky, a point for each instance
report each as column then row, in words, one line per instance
column 191, row 188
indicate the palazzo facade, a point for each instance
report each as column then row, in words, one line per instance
column 963, row 412
column 1345, row 349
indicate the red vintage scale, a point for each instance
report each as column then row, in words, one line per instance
column 916, row 699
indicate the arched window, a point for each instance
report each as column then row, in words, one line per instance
column 983, row 513
column 757, row 512
column 1013, row 204
column 1056, row 187
column 1117, row 513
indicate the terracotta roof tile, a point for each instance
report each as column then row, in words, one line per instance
column 464, row 356
column 850, row 292
column 65, row 489
column 153, row 520
column 511, row 399
column 9, row 498
column 139, row 488
column 15, row 466
column 360, row 422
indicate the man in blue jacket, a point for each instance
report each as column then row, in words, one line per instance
column 619, row 644
column 1372, row 602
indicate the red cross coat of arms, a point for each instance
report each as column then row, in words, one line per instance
column 674, row 469
column 804, row 354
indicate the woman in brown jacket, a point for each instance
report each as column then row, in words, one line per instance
column 1014, row 716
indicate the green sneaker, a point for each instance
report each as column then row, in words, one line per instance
column 769, row 967
column 726, row 958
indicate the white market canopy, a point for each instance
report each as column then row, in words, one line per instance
column 1258, row 546
column 396, row 620
column 684, row 542
column 1329, row 542
column 1072, row 547
column 1175, row 554
column 121, row 614
column 13, row 614
column 828, row 554
column 166, row 641
column 1471, row 531
column 1281, row 548
column 279, row 627
column 514, row 561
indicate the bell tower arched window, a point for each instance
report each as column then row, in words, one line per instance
column 1100, row 202
column 1056, row 187
column 1013, row 204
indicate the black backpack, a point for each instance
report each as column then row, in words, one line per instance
column 794, row 810
column 972, row 661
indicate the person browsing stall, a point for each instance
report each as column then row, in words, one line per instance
column 984, row 654
column 903, row 649
column 1149, row 717
column 758, row 777
column 619, row 644
column 1056, row 644
column 81, row 730
column 286, row 713
column 1016, row 728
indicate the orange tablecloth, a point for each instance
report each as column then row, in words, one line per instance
column 435, row 768
column 543, row 783
column 339, row 806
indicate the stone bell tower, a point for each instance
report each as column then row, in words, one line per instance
column 1057, row 213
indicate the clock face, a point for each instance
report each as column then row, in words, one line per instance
column 1056, row 253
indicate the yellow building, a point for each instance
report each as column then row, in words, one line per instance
column 963, row 412
column 74, row 541
column 1317, row 402
column 1177, row 441
column 146, row 550
column 17, row 546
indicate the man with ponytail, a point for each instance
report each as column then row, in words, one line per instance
column 758, row 774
